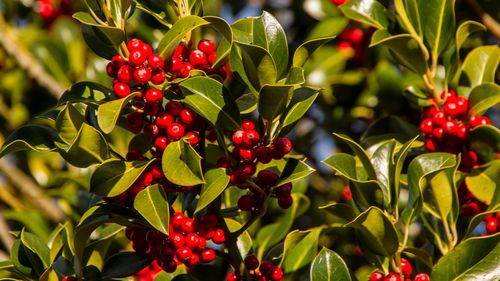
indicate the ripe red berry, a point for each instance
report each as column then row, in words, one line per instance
column 142, row 75
column 224, row 162
column 476, row 120
column 284, row 190
column 197, row 58
column 285, row 202
column 251, row 138
column 125, row 73
column 232, row 277
column 248, row 168
column 117, row 61
column 438, row 133
column 189, row 225
column 345, row 47
column 392, row 277
column 247, row 125
column 158, row 77
column 137, row 58
column 177, row 220
column 283, row 145
column 192, row 241
column 406, row 267
column 187, row 116
column 247, row 154
column 184, row 254
column 426, row 126
column 111, row 69
column 194, row 260
column 153, row 95
column 155, row 61
column 161, row 143
column 163, row 120
column 353, row 35
column 146, row 49
column 462, row 106
column 377, row 276
column 422, row 277
column 450, row 127
column 134, row 44
column 246, row 203
column 206, row 46
column 69, row 278
column 267, row 178
column 237, row 137
column 251, row 262
column 491, row 226
column 193, row 138
column 263, row 154
column 237, row 177
column 177, row 240
column 276, row 274
column 439, row 118
column 211, row 58
column 208, row 255
column 121, row 90
column 175, row 131
column 471, row 209
column 338, row 3
column 463, row 131
column 219, row 236
column 185, row 69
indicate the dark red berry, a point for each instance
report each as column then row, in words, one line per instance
column 246, row 203
column 151, row 130
column 251, row 138
column 283, row 145
column 224, row 162
column 117, row 61
column 285, row 202
column 174, row 107
column 248, row 168
column 266, row 267
column 263, row 154
column 284, row 190
column 267, row 178
column 251, row 262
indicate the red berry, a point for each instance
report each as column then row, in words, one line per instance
column 110, row 69
column 247, row 154
column 406, row 267
column 451, row 109
column 284, row 190
column 161, row 143
column 134, row 44
column 208, row 255
column 462, row 106
column 248, row 168
column 121, row 90
column 155, row 61
column 133, row 155
column 153, row 95
column 169, row 266
column 69, row 278
column 251, row 138
column 189, row 225
column 247, row 125
column 174, row 107
column 224, row 162
column 187, row 116
column 283, row 145
column 175, row 131
column 206, row 46
column 125, row 73
column 345, row 47
column 491, row 226
column 197, row 58
column 471, row 209
column 377, row 276
column 392, row 277
column 426, row 126
column 346, row 193
column 177, row 220
column 237, row 137
column 338, row 3
column 267, row 178
column 117, row 61
column 285, row 202
column 137, row 58
column 151, row 108
column 263, row 154
column 251, row 262
column 232, row 277
column 422, row 277
column 163, row 120
column 353, row 35
column 193, row 138
column 450, row 127
column 219, row 236
column 135, row 119
column 185, row 69
column 266, row 267
column 276, row 274
column 237, row 177
column 145, row 179
column 246, row 203
column 438, row 133
column 146, row 49
column 451, row 94
column 177, row 240
column 439, row 118
column 194, row 260
column 142, row 75
column 192, row 241
column 158, row 77
column 181, row 51
column 463, row 131
column 184, row 254
column 151, row 130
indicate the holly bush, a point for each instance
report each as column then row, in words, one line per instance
column 196, row 140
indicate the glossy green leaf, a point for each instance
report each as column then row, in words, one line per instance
column 30, row 137
column 342, row 210
column 295, row 76
column 302, row 100
column 327, row 27
column 20, row 260
column 329, row 266
column 181, row 164
column 152, row 204
column 225, row 45
column 485, row 141
column 273, row 101
column 360, row 153
column 174, row 36
column 484, row 181
column 474, row 259
column 440, row 196
column 113, row 35
column 390, row 127
column 124, row 264
column 91, row 272
column 465, row 30
column 437, row 20
column 68, row 123
column 305, row 50
column 257, row 65
column 420, row 170
column 377, row 231
column 370, row 12
column 211, row 100
column 37, row 246
column 482, row 97
column 88, row 148
column 294, row 170
column 398, row 169
column 405, row 48
column 86, row 91
column 244, row 241
column 115, row 176
column 298, row 254
column 479, row 67
column 216, row 181
column 382, row 161
column 109, row 112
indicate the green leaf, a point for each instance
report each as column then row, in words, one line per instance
column 483, row 97
column 109, row 112
column 225, row 44
column 100, row 46
column 478, row 219
column 30, row 137
column 485, row 141
column 216, row 181
column 398, row 168
column 329, row 266
column 244, row 241
column 113, row 35
column 361, row 153
column 88, row 148
column 465, row 30
column 405, row 48
column 365, row 193
column 342, row 210
column 35, row 244
column 86, row 91
column 181, row 164
column 115, row 176
column 273, row 101
column 20, row 260
column 68, row 123
column 257, row 65
column 152, row 204
column 298, row 254
column 124, row 264
column 473, row 259
column 328, row 27
column 295, row 76
column 376, row 231
column 302, row 100
column 294, row 170
column 479, row 67
column 382, row 161
column 211, row 100
column 305, row 50
column 438, row 24
column 420, row 171
column 484, row 181
column 174, row 36
column 266, row 32
column 370, row 12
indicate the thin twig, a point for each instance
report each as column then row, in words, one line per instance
column 26, row 61
column 490, row 23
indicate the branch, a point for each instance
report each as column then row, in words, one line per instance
column 26, row 61
column 490, row 23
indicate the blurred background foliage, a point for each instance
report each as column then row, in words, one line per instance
column 42, row 53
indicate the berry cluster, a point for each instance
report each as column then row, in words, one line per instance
column 50, row 10
column 184, row 60
column 448, row 129
column 186, row 244
column 471, row 206
column 249, row 150
column 148, row 273
column 264, row 271
column 406, row 271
